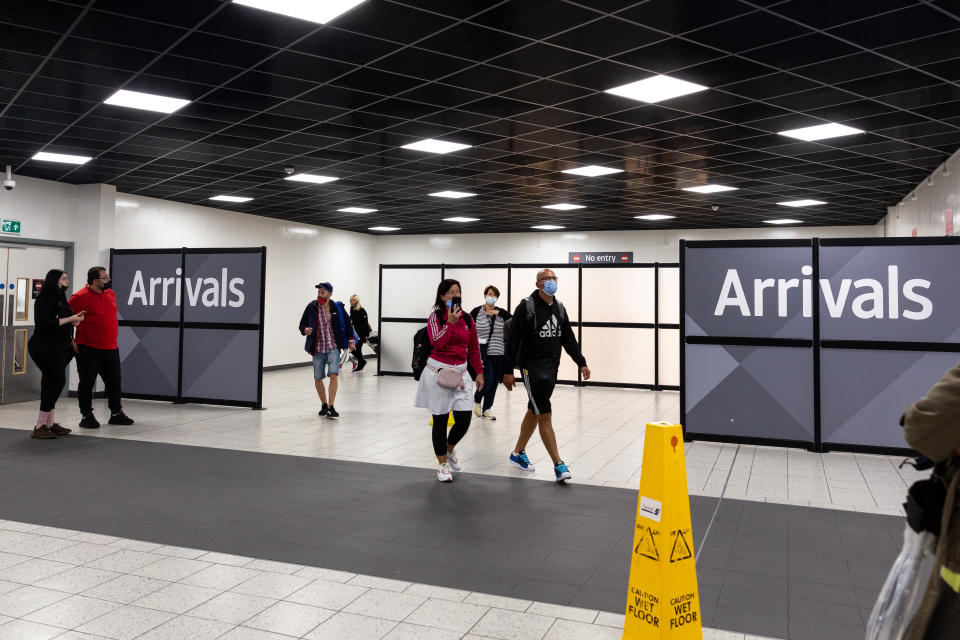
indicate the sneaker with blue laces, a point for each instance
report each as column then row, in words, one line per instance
column 521, row 460
column 561, row 471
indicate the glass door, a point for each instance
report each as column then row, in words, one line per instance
column 22, row 267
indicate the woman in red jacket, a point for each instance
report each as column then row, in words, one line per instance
column 445, row 384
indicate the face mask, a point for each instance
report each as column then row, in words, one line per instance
column 62, row 287
column 491, row 300
column 550, row 287
column 449, row 304
column 107, row 285
column 321, row 300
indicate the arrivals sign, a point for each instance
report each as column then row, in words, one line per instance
column 191, row 323
column 601, row 257
column 867, row 334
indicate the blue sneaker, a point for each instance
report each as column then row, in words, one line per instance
column 562, row 472
column 521, row 460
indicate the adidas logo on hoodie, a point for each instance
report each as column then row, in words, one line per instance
column 551, row 328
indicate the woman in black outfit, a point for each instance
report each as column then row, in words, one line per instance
column 358, row 316
column 51, row 348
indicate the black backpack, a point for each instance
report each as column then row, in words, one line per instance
column 422, row 348
column 528, row 301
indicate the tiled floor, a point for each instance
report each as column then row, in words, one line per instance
column 600, row 431
column 758, row 572
column 108, row 588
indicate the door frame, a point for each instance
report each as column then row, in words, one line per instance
column 68, row 257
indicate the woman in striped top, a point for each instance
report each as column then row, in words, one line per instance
column 490, row 320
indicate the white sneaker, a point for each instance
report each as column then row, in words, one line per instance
column 488, row 415
column 452, row 461
column 443, row 473
column 476, row 409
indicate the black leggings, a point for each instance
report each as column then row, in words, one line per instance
column 358, row 353
column 461, row 422
column 492, row 376
column 52, row 358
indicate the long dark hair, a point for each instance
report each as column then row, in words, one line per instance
column 51, row 286
column 440, row 305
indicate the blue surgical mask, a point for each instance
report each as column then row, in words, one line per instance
column 491, row 300
column 550, row 287
column 449, row 304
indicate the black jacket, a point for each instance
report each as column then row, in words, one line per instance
column 536, row 342
column 360, row 323
column 47, row 312
column 310, row 317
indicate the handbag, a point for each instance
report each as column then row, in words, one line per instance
column 449, row 378
column 925, row 498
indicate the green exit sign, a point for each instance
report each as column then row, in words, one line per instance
column 11, row 226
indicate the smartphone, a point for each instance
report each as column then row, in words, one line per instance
column 457, row 302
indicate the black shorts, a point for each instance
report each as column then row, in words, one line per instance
column 539, row 384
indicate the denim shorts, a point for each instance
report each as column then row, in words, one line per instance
column 325, row 364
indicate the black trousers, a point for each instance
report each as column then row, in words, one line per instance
column 358, row 353
column 492, row 375
column 98, row 362
column 461, row 422
column 52, row 358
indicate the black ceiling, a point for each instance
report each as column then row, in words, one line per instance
column 520, row 80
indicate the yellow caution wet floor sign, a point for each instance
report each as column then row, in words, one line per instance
column 662, row 601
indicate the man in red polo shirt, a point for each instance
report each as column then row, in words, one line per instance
column 96, row 347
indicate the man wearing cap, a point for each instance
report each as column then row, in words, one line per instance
column 328, row 329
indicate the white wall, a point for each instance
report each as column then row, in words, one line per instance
column 544, row 247
column 97, row 218
column 927, row 213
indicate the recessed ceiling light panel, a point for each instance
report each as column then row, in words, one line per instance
column 710, row 188
column 782, row 221
column 384, row 228
column 563, row 206
column 548, row 227
column 656, row 89
column 357, row 210
column 311, row 178
column 460, row 219
column 435, row 146
column 801, row 203
column 231, row 198
column 61, row 157
column 146, row 101
column 821, row 132
column 654, row 216
column 453, row 194
column 592, row 171
column 320, row 11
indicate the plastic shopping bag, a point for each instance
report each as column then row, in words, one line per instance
column 903, row 588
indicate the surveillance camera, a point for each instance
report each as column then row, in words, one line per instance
column 715, row 207
column 289, row 169
column 9, row 183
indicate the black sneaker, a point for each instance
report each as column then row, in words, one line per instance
column 59, row 429
column 120, row 418
column 332, row 413
column 89, row 422
column 325, row 409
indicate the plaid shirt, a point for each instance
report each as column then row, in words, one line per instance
column 325, row 340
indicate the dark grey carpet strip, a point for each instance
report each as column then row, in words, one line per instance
column 775, row 570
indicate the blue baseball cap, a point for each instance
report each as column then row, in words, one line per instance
column 325, row 285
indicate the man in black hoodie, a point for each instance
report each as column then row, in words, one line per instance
column 539, row 328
